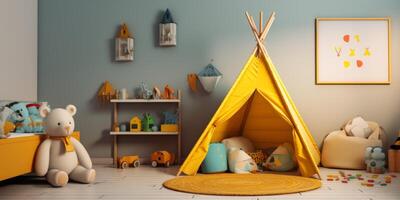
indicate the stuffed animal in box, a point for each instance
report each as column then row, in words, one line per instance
column 20, row 117
column 37, row 120
column 375, row 160
column 61, row 156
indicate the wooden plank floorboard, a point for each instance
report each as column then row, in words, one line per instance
column 145, row 182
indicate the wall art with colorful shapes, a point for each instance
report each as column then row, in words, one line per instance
column 353, row 51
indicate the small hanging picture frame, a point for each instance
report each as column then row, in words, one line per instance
column 167, row 29
column 124, row 44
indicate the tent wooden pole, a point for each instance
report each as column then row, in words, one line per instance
column 264, row 31
column 268, row 25
column 253, row 27
column 260, row 27
column 261, row 23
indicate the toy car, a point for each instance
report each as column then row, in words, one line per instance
column 126, row 161
column 162, row 158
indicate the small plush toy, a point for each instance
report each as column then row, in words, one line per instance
column 36, row 119
column 240, row 162
column 6, row 126
column 358, row 127
column 375, row 160
column 169, row 92
column 61, row 157
column 20, row 117
column 145, row 92
column 282, row 159
column 258, row 156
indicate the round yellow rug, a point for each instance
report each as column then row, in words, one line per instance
column 242, row 184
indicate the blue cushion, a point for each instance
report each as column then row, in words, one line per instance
column 216, row 159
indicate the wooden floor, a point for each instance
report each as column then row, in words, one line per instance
column 145, row 182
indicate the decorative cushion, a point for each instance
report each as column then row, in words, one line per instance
column 240, row 162
column 239, row 143
column 282, row 159
column 216, row 159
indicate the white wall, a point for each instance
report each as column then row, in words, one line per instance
column 18, row 50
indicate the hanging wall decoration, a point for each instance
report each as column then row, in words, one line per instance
column 167, row 30
column 124, row 45
column 209, row 77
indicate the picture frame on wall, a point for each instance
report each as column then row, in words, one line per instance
column 353, row 51
column 124, row 44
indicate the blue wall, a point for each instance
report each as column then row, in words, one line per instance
column 76, row 56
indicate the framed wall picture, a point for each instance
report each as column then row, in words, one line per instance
column 124, row 44
column 353, row 51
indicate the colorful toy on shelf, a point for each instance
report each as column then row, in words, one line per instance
column 37, row 120
column 126, row 161
column 116, row 127
column 135, row 124
column 122, row 127
column 162, row 158
column 156, row 93
column 145, row 92
column 169, row 93
column 6, row 126
column 106, row 92
column 170, row 118
column 20, row 117
column 148, row 122
column 170, row 122
column 375, row 160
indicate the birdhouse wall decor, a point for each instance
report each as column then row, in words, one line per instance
column 167, row 30
column 124, row 44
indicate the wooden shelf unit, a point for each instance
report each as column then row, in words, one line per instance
column 177, row 101
column 144, row 133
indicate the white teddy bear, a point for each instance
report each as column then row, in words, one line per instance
column 61, row 156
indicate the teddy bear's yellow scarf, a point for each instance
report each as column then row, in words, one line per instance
column 67, row 142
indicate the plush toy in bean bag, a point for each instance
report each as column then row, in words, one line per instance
column 20, row 117
column 61, row 157
column 358, row 127
column 37, row 120
column 239, row 162
column 282, row 159
column 6, row 126
column 375, row 160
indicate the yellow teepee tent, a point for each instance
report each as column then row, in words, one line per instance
column 258, row 107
